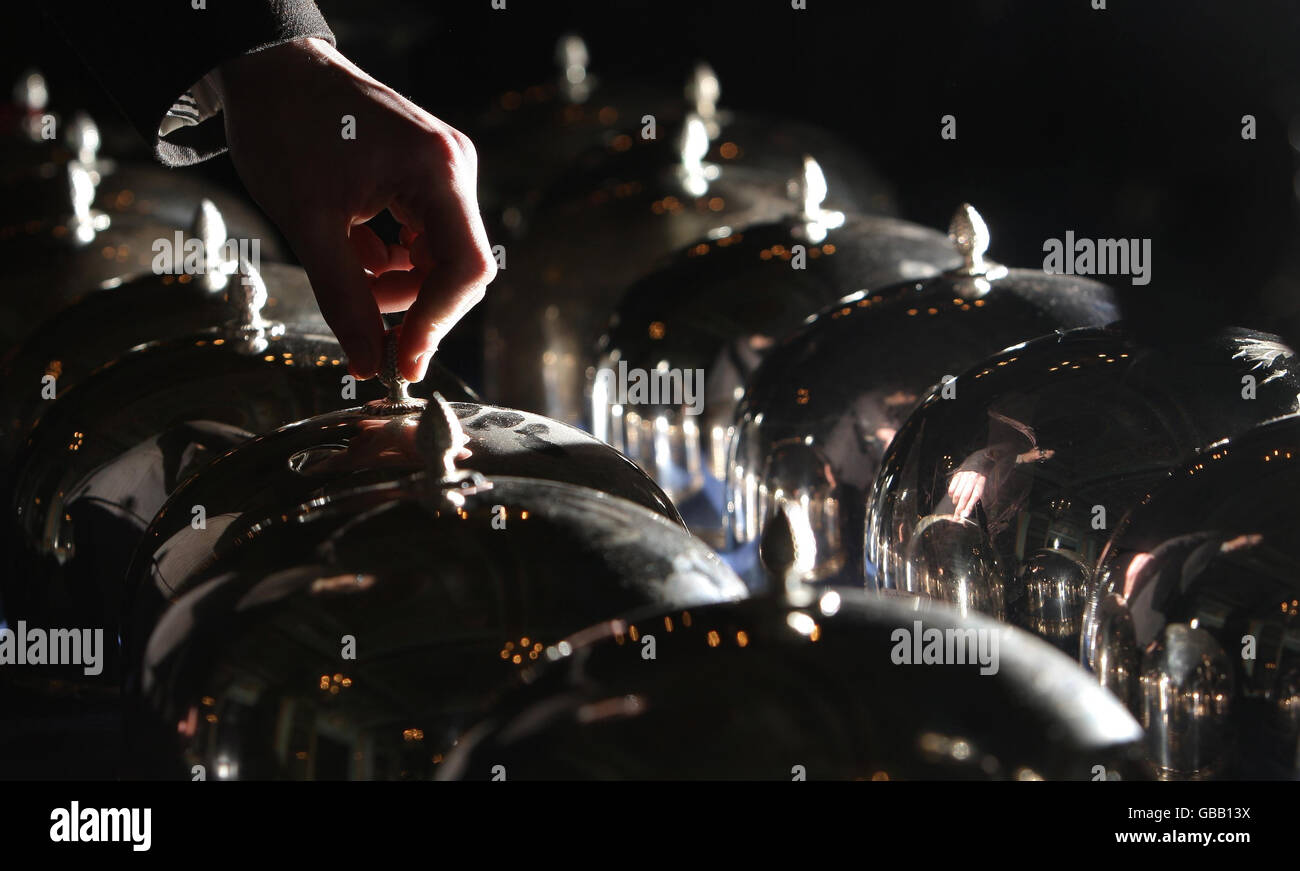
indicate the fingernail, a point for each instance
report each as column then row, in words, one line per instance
column 422, row 362
column 363, row 363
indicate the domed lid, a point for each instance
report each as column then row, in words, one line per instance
column 174, row 303
column 79, row 251
column 721, row 303
column 269, row 476
column 841, row 387
column 766, row 279
column 1048, row 443
column 448, row 581
column 824, row 688
column 134, row 428
column 1204, row 572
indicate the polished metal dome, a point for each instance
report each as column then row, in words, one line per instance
column 833, row 686
column 1193, row 619
column 820, row 410
column 90, row 475
column 270, row 476
column 98, row 328
column 124, row 192
column 1042, row 448
column 51, row 261
column 683, row 340
column 553, row 123
column 612, row 219
column 356, row 636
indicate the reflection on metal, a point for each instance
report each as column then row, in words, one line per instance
column 717, row 308
column 83, row 222
column 1044, row 446
column 462, row 579
column 817, row 219
column 840, row 389
column 746, row 690
column 399, row 399
column 1199, row 585
column 572, row 58
column 703, row 91
column 620, row 211
column 695, row 173
column 1185, row 687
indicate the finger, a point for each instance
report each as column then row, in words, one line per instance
column 450, row 227
column 977, row 493
column 963, row 496
column 342, row 292
column 396, row 290
column 369, row 248
column 399, row 257
column 954, row 484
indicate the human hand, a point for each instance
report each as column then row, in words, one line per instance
column 965, row 490
column 284, row 109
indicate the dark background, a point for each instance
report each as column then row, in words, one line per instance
column 1117, row 123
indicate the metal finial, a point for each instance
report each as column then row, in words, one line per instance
column 703, row 91
column 82, row 136
column 247, row 297
column 572, row 57
column 810, row 189
column 693, row 147
column 571, row 54
column 83, row 221
column 399, row 400
column 971, row 236
column 30, row 91
column 209, row 227
column 440, row 438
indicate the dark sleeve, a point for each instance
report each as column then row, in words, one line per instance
column 148, row 54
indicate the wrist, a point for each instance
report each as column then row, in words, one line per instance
column 254, row 71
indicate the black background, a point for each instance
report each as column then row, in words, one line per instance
column 1117, row 123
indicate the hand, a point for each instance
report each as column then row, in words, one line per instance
column 965, row 490
column 1033, row 455
column 1136, row 567
column 284, row 109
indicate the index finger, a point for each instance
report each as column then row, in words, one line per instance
column 448, row 224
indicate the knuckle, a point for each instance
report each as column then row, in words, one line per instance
column 465, row 144
column 442, row 151
column 480, row 267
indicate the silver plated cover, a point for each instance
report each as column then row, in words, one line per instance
column 104, row 457
column 703, row 322
column 822, row 407
column 150, row 307
column 609, row 223
column 816, row 689
column 1041, row 449
column 1193, row 619
column 356, row 636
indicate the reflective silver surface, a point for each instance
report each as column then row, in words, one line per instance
column 611, row 220
column 788, row 690
column 126, row 192
column 1039, row 450
column 90, row 475
column 51, row 261
column 354, row 637
column 714, row 310
column 1198, row 592
column 269, row 476
column 550, row 124
column 823, row 406
column 99, row 327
